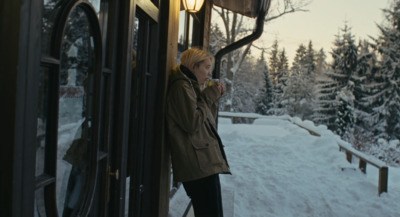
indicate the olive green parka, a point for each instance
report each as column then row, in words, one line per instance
column 196, row 148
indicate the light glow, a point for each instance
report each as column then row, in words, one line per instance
column 192, row 6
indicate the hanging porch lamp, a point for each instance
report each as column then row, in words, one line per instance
column 192, row 6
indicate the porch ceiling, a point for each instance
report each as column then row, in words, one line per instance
column 248, row 8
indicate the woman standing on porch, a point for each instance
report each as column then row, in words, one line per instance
column 197, row 152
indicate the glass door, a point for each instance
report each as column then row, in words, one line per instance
column 87, row 158
column 71, row 101
column 144, row 80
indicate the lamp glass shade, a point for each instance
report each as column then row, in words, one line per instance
column 192, row 6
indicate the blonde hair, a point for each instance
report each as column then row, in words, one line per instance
column 193, row 57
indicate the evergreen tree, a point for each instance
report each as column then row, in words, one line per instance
column 283, row 62
column 323, row 90
column 279, row 83
column 298, row 95
column 386, row 88
column 338, row 60
column 310, row 59
column 300, row 60
column 366, row 69
column 320, row 62
column 298, row 91
column 266, row 97
column 283, row 67
column 344, row 54
column 325, row 108
column 247, row 86
column 345, row 114
column 274, row 63
column 345, row 111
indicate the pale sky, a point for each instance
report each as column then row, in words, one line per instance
column 322, row 22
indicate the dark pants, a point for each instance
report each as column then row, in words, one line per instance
column 205, row 194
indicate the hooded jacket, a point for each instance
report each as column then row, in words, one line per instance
column 196, row 148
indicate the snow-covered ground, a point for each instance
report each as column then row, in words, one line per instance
column 280, row 170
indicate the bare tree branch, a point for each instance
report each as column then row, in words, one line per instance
column 225, row 18
column 233, row 27
column 259, row 48
column 239, row 26
column 282, row 8
column 268, row 19
column 244, row 54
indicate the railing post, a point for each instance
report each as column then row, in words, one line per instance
column 234, row 120
column 348, row 156
column 383, row 180
column 362, row 165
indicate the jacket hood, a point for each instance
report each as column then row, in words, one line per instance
column 180, row 72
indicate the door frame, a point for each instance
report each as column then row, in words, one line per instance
column 20, row 32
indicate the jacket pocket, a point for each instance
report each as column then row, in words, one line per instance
column 208, row 154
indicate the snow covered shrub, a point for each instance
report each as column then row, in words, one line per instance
column 362, row 140
column 387, row 151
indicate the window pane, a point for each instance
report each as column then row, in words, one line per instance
column 182, row 36
column 190, row 36
column 185, row 31
column 75, row 111
column 96, row 5
column 39, row 203
column 42, row 120
column 50, row 11
column 127, row 191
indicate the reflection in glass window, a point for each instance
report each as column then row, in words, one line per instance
column 127, row 191
column 136, row 33
column 181, row 34
column 128, row 207
column 39, row 204
column 96, row 5
column 42, row 120
column 185, row 32
column 190, row 35
column 50, row 12
column 74, row 121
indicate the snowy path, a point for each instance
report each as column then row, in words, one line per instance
column 280, row 170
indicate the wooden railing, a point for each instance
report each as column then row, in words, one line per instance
column 363, row 160
column 350, row 151
column 235, row 117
